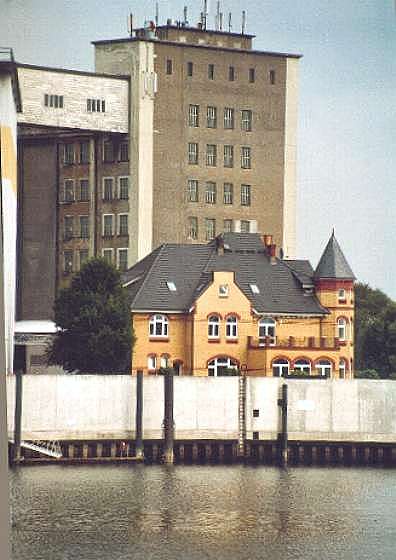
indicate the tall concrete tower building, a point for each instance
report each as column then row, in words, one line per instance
column 181, row 133
column 212, row 134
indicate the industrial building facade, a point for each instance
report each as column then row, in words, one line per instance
column 180, row 134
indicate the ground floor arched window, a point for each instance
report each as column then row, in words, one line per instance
column 342, row 366
column 302, row 365
column 221, row 366
column 280, row 367
column 323, row 368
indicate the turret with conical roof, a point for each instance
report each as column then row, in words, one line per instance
column 334, row 288
column 333, row 263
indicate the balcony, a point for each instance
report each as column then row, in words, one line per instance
column 309, row 342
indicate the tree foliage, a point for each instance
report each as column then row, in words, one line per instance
column 375, row 331
column 95, row 321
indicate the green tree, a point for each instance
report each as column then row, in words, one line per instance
column 375, row 331
column 93, row 314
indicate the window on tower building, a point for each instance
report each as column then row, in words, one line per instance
column 84, row 190
column 68, row 154
column 123, row 224
column 210, row 193
column 246, row 157
column 228, row 118
column 68, row 190
column 228, row 193
column 192, row 190
column 108, row 225
column 193, row 115
column 246, row 120
column 227, row 226
column 68, row 227
column 228, row 156
column 68, row 261
column 211, row 71
column 124, row 151
column 211, row 117
column 169, row 68
column 231, row 73
column 211, row 155
column 252, row 75
column 108, row 188
column 189, row 69
column 272, row 77
column 210, row 228
column 245, row 195
column 192, row 228
column 122, row 259
column 107, row 254
column 108, row 151
column 193, row 153
column 245, row 226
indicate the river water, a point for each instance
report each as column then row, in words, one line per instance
column 218, row 512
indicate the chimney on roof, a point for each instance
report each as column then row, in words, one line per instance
column 270, row 247
column 220, row 245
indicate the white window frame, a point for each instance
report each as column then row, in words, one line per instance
column 227, row 222
column 341, row 294
column 213, row 327
column 119, row 224
column 112, row 225
column 160, row 321
column 302, row 365
column 72, row 160
column 68, row 233
column 245, row 226
column 228, row 195
column 119, row 251
column 103, row 189
column 280, row 367
column 324, row 368
column 119, row 179
column 151, row 362
column 231, row 327
column 221, row 362
column 267, row 328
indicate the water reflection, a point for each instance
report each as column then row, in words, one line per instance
column 219, row 512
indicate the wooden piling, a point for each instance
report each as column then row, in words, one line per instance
column 85, row 451
column 17, row 417
column 70, row 451
column 195, row 452
column 221, row 452
column 139, row 447
column 168, row 456
column 113, row 449
column 283, row 443
column 181, row 451
column 99, row 450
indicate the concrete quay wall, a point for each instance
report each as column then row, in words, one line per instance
column 102, row 407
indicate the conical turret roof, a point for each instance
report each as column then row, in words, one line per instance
column 333, row 263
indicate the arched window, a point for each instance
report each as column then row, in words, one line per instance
column 341, row 328
column 213, row 326
column 221, row 366
column 342, row 368
column 266, row 327
column 152, row 362
column 323, row 368
column 164, row 361
column 280, row 367
column 158, row 325
column 303, row 366
column 231, row 327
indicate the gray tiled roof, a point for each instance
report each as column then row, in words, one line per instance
column 333, row 263
column 190, row 267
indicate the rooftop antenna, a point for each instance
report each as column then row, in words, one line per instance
column 185, row 21
column 205, row 14
column 218, row 15
column 229, row 22
column 221, row 21
column 243, row 22
column 156, row 14
column 130, row 25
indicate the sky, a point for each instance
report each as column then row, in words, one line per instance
column 347, row 101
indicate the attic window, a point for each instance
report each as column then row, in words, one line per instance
column 254, row 288
column 223, row 290
column 171, row 286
